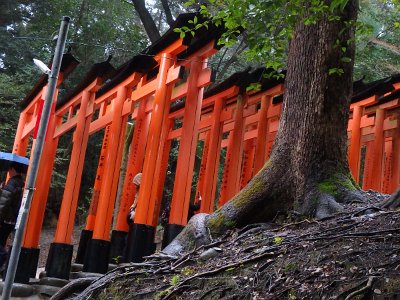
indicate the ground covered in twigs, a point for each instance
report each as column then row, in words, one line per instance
column 350, row 256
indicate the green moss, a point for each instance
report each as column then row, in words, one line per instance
column 277, row 240
column 291, row 266
column 328, row 187
column 255, row 186
column 350, row 184
column 186, row 271
column 162, row 294
column 292, row 294
column 174, row 280
column 331, row 186
column 219, row 221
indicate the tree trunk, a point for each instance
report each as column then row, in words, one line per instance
column 167, row 10
column 147, row 20
column 308, row 169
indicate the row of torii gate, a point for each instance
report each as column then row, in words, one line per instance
column 158, row 89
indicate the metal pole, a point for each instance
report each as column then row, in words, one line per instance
column 35, row 160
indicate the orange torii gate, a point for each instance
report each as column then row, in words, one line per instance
column 135, row 82
column 374, row 128
column 156, row 89
column 27, row 128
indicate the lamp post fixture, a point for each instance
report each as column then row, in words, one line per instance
column 36, row 155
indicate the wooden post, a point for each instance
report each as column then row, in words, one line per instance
column 396, row 158
column 29, row 256
column 87, row 233
column 61, row 251
column 20, row 143
column 99, row 245
column 262, row 132
column 202, row 170
column 248, row 160
column 98, row 181
column 354, row 152
column 378, row 150
column 233, row 159
column 135, row 164
column 141, row 234
column 368, row 166
column 187, row 148
column 387, row 173
column 213, row 154
column 69, row 203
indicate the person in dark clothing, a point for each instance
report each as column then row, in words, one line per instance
column 193, row 207
column 10, row 202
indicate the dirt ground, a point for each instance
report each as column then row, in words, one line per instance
column 350, row 256
column 47, row 237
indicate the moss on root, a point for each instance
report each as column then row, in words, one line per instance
column 335, row 184
column 219, row 221
column 255, row 186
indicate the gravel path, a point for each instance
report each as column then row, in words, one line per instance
column 47, row 237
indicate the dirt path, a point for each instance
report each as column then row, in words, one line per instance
column 47, row 237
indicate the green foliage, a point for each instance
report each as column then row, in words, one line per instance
column 269, row 25
column 97, row 29
column 174, row 280
column 377, row 19
column 277, row 240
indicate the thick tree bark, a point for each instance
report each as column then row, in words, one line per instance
column 308, row 170
column 147, row 20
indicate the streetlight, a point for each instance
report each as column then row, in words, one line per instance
column 36, row 155
column 42, row 66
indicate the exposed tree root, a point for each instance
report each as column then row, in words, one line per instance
column 331, row 258
column 392, row 202
column 75, row 286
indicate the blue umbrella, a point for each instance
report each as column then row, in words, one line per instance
column 7, row 158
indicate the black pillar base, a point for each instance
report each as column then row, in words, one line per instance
column 118, row 242
column 27, row 264
column 86, row 236
column 34, row 261
column 58, row 262
column 97, row 256
column 170, row 232
column 140, row 242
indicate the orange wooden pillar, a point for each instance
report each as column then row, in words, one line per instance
column 368, row 166
column 394, row 185
column 98, row 250
column 20, row 142
column 387, row 174
column 187, row 152
column 203, row 164
column 29, row 256
column 141, row 233
column 208, row 190
column 87, row 233
column 248, row 161
column 262, row 132
column 163, row 169
column 233, row 159
column 61, row 250
column 135, row 165
column 377, row 169
column 354, row 151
